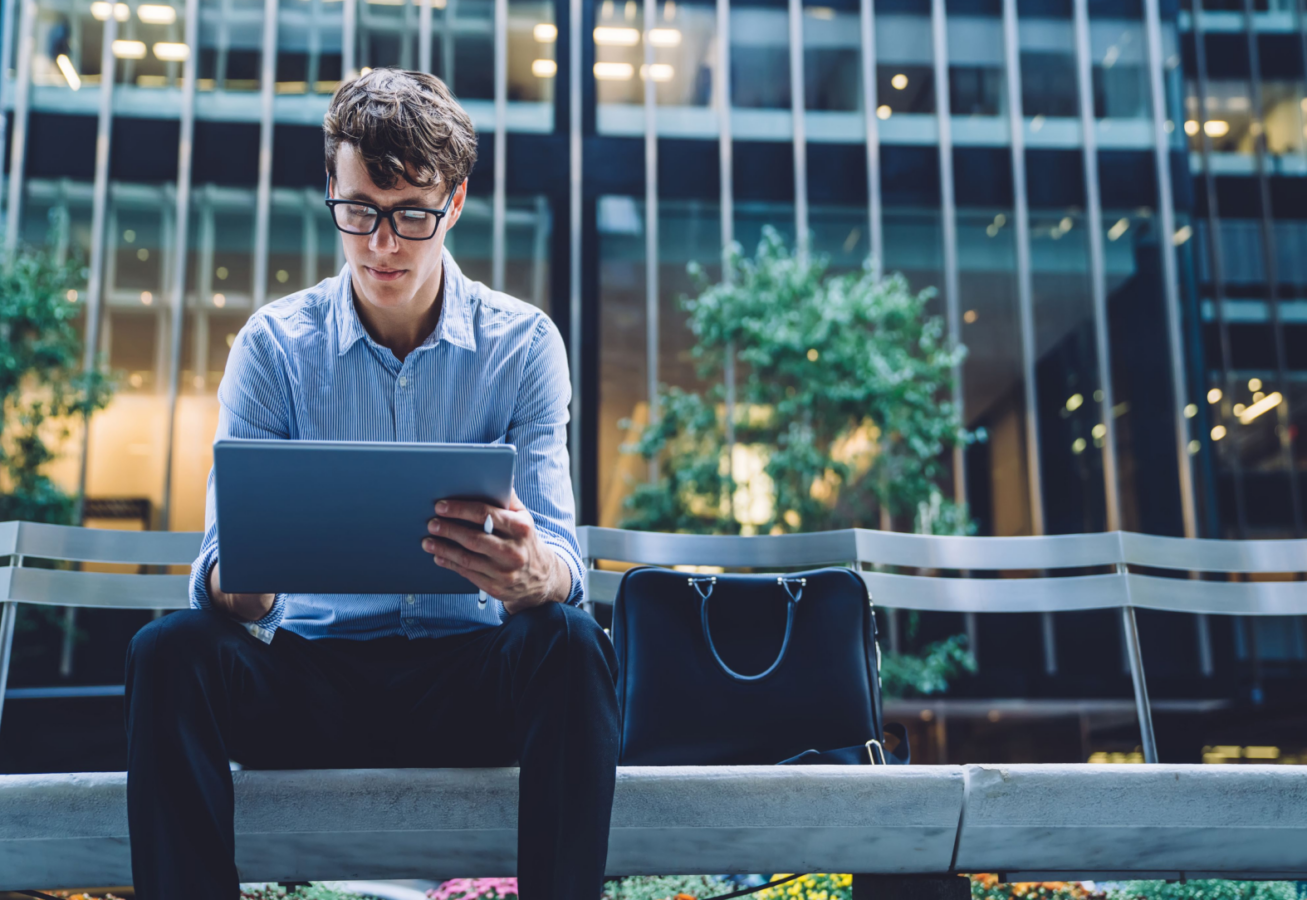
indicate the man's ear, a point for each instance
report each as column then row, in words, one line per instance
column 456, row 206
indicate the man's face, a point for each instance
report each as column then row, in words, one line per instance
column 389, row 271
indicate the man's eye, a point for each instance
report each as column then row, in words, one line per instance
column 360, row 211
column 415, row 214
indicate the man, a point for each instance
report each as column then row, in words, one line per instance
column 398, row 347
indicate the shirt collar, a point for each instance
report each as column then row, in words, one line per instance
column 455, row 324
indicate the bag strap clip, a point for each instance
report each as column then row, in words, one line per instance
column 698, row 585
column 874, row 745
column 788, row 585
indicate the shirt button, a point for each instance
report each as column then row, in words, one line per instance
column 403, row 381
column 410, row 598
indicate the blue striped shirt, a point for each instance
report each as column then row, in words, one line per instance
column 494, row 370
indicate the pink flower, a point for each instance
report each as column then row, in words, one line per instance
column 476, row 889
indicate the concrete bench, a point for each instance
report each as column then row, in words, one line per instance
column 1058, row 821
column 1063, row 821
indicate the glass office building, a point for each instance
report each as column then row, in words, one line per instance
column 1110, row 197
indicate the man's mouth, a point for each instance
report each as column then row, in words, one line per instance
column 385, row 274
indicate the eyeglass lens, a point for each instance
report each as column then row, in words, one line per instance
column 358, row 218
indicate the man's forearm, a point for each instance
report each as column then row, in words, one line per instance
column 244, row 607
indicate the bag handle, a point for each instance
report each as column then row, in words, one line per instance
column 703, row 586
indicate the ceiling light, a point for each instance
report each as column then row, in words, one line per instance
column 1182, row 234
column 1074, row 402
column 101, row 8
column 970, row 316
column 660, row 71
column 1254, row 384
column 129, row 49
column 614, row 71
column 156, row 14
column 610, row 36
column 544, row 68
column 545, row 33
column 147, row 298
column 1216, row 128
column 899, row 81
column 1078, row 446
column 1190, row 410
column 1270, row 401
column 1214, row 395
column 220, row 301
column 1218, row 432
column 665, row 37
column 883, row 112
column 1191, row 127
column 169, row 52
column 66, row 66
column 1120, row 228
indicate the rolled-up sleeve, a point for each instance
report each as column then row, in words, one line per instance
column 253, row 403
column 538, row 429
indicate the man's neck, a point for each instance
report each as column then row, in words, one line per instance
column 403, row 330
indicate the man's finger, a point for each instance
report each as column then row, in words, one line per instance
column 446, row 552
column 481, row 581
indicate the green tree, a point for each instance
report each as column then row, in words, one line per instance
column 844, row 392
column 844, row 410
column 42, row 384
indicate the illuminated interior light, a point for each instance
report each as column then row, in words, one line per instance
column 71, row 295
column 1238, row 409
column 1182, row 235
column 899, row 81
column 614, row 71
column 665, row 37
column 1269, row 402
column 1254, row 384
column 1078, row 446
column 1120, row 228
column 100, row 9
column 66, row 67
column 219, row 300
column 156, row 14
column 612, row 36
column 544, row 68
column 1036, row 123
column 1218, row 432
column 545, row 33
column 970, row 316
column 1191, row 127
column 1190, row 410
column 1100, row 430
column 170, row 52
column 661, row 72
column 129, row 49
column 1194, row 447
column 1216, row 128
column 146, row 298
column 820, row 12
column 883, row 112
column 669, row 10
column 1214, row 395
column 1074, row 402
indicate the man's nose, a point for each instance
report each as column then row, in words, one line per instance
column 384, row 239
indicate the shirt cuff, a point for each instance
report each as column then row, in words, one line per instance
column 577, row 592
column 263, row 629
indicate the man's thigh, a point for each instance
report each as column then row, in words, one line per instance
column 289, row 704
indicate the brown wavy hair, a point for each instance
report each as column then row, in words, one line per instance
column 404, row 125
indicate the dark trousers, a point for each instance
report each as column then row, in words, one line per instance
column 201, row 691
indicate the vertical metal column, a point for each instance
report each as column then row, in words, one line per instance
column 1130, row 627
column 726, row 175
column 499, row 204
column 1170, row 275
column 181, row 225
column 8, row 12
column 99, row 212
column 1270, row 261
column 424, row 35
column 1025, row 298
column 22, row 98
column 1097, row 264
column 263, row 199
column 797, row 102
column 651, row 221
column 871, row 124
column 948, row 222
column 348, row 39
column 1216, row 261
column 574, row 240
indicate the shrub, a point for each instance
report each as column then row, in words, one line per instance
column 666, row 887
column 476, row 889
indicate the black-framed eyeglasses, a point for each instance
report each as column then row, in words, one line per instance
column 412, row 223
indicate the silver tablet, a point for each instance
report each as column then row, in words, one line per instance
column 342, row 517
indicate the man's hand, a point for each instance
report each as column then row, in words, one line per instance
column 245, row 607
column 512, row 564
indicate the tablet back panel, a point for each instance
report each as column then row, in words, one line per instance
column 325, row 517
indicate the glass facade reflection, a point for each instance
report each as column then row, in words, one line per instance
column 1162, row 146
